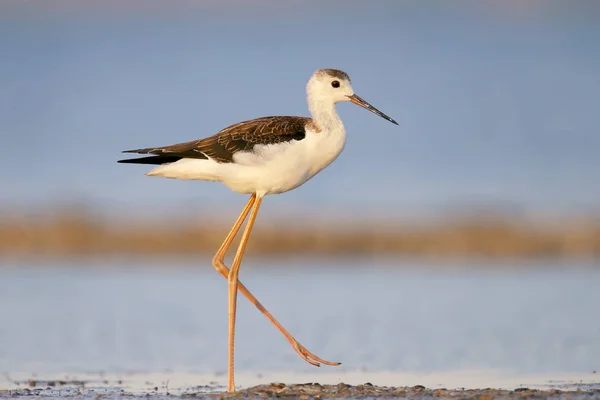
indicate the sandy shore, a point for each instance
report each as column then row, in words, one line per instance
column 67, row 234
column 359, row 384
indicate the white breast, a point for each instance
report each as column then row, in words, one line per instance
column 272, row 169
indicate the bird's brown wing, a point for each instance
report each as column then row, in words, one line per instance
column 221, row 147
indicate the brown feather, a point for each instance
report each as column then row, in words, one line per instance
column 242, row 136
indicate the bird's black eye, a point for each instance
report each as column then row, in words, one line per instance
column 335, row 84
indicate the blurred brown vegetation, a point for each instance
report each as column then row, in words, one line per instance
column 71, row 232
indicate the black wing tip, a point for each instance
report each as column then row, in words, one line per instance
column 151, row 160
column 140, row 160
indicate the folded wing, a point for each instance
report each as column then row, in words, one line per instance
column 221, row 147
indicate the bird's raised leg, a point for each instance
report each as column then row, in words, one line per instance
column 220, row 266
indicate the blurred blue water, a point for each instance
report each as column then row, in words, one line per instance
column 370, row 315
column 497, row 105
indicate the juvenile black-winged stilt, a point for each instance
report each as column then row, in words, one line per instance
column 263, row 156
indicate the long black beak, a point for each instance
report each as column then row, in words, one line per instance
column 359, row 101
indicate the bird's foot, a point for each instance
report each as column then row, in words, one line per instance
column 310, row 357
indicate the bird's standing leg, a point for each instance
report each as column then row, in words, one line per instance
column 218, row 263
column 232, row 279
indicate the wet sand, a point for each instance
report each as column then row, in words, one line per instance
column 314, row 391
column 170, row 385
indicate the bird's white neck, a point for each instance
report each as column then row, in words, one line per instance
column 325, row 115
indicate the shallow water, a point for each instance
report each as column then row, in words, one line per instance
column 371, row 315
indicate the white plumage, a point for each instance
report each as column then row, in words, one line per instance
column 268, row 169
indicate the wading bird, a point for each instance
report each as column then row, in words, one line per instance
column 263, row 156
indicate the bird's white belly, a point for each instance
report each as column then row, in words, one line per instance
column 273, row 169
column 268, row 169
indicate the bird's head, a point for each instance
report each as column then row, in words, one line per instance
column 334, row 86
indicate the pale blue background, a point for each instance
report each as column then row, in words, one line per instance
column 497, row 101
